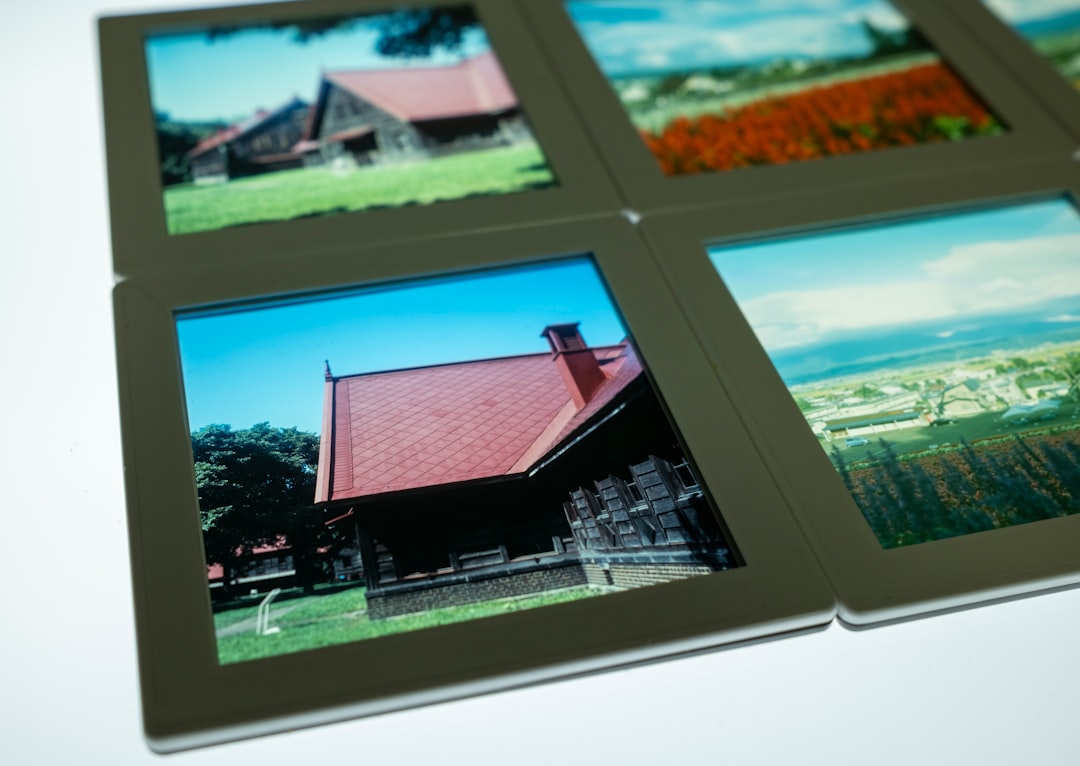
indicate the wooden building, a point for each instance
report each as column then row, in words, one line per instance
column 387, row 115
column 260, row 144
column 501, row 477
column 260, row 569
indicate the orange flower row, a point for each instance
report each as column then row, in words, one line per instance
column 919, row 105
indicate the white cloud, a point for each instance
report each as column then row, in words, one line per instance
column 982, row 278
column 652, row 59
column 722, row 31
column 882, row 17
column 1064, row 318
column 1019, row 11
column 793, row 35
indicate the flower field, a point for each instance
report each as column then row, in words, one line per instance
column 922, row 104
column 975, row 487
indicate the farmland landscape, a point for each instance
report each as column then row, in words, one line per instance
column 715, row 88
column 973, row 444
column 942, row 374
column 1051, row 26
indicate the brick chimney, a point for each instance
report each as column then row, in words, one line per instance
column 578, row 366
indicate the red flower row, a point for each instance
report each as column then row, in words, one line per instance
column 919, row 105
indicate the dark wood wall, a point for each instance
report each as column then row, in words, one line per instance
column 628, row 474
column 277, row 135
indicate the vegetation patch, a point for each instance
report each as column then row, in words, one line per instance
column 923, row 104
column 971, row 488
column 316, row 191
column 313, row 622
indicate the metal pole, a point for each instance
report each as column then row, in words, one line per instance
column 262, row 617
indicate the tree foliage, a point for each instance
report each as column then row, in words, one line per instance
column 175, row 140
column 866, row 391
column 405, row 33
column 970, row 488
column 888, row 43
column 420, row 31
column 256, row 487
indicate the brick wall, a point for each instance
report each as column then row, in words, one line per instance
column 390, row 603
column 638, row 575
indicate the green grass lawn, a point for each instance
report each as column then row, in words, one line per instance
column 316, row 621
column 1063, row 51
column 290, row 194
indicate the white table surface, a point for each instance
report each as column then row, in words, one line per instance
column 994, row 685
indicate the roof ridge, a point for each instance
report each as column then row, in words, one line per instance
column 441, row 364
column 473, row 361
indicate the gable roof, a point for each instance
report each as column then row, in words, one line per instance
column 475, row 85
column 427, row 426
column 238, row 129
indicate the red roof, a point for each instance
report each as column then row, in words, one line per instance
column 474, row 86
column 427, row 426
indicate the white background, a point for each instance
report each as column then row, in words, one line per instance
column 994, row 685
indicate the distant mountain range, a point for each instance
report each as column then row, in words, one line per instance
column 1053, row 25
column 937, row 343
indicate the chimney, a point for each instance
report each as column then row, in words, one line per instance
column 578, row 366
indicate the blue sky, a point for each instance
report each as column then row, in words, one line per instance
column 949, row 270
column 633, row 36
column 195, row 78
column 266, row 364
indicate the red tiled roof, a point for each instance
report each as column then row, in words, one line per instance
column 473, row 86
column 427, row 426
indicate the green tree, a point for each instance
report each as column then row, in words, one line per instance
column 866, row 391
column 405, row 33
column 256, row 487
column 668, row 84
column 419, row 31
column 175, row 140
column 887, row 43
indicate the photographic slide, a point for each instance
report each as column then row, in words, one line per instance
column 937, row 361
column 404, row 456
column 721, row 86
column 288, row 119
column 1051, row 26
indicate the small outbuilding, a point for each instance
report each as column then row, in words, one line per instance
column 260, row 144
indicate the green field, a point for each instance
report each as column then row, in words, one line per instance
column 340, row 618
column 306, row 192
column 948, row 491
column 1063, row 51
column 971, row 428
column 655, row 114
